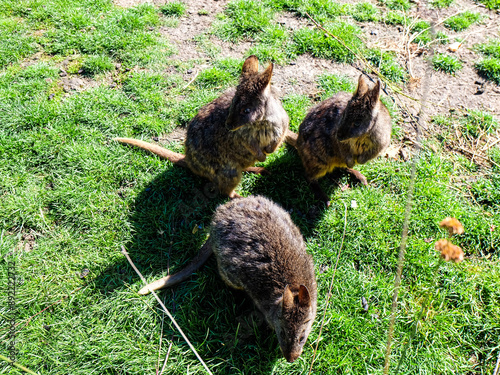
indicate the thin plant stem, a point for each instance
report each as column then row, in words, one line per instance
column 415, row 326
column 401, row 259
column 412, row 334
column 329, row 292
column 409, row 202
column 394, row 87
column 124, row 252
column 19, row 366
column 497, row 367
column 166, row 358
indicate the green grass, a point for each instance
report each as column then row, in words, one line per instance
column 211, row 49
column 15, row 42
column 462, row 21
column 321, row 10
column 492, row 48
column 75, row 196
column 215, row 77
column 446, row 63
column 332, row 84
column 396, row 4
column 97, row 64
column 442, row 3
column 66, row 28
column 395, row 18
column 386, row 64
column 243, row 19
column 490, row 68
column 319, row 44
column 274, row 45
column 477, row 122
column 173, row 9
column 472, row 125
column 421, row 30
column 442, row 38
column 491, row 4
column 364, row 12
column 296, row 106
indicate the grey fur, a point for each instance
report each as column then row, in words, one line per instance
column 260, row 250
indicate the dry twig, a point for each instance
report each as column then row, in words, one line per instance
column 19, row 366
column 174, row 322
column 189, row 83
column 166, row 358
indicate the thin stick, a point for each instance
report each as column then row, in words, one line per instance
column 497, row 367
column 185, row 87
column 159, row 349
column 329, row 292
column 394, row 87
column 487, row 146
column 401, row 259
column 19, row 366
column 415, row 327
column 166, row 358
column 124, row 252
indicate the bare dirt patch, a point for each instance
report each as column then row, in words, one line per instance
column 131, row 3
column 464, row 90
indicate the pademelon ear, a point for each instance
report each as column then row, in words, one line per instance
column 251, row 65
column 304, row 297
column 374, row 93
column 265, row 77
column 287, row 299
column 362, row 86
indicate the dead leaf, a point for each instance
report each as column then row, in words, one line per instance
column 453, row 47
column 392, row 152
column 414, row 83
column 404, row 154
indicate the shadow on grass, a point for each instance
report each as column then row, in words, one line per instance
column 169, row 223
column 287, row 186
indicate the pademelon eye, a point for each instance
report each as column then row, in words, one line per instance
column 302, row 339
column 247, row 110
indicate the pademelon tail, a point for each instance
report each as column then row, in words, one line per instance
column 182, row 275
column 162, row 152
column 291, row 138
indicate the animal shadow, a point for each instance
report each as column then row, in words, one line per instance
column 169, row 222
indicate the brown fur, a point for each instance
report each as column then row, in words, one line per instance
column 342, row 131
column 233, row 132
column 260, row 250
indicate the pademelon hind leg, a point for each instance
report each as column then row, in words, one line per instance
column 227, row 180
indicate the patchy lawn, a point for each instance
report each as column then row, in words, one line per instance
column 74, row 75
